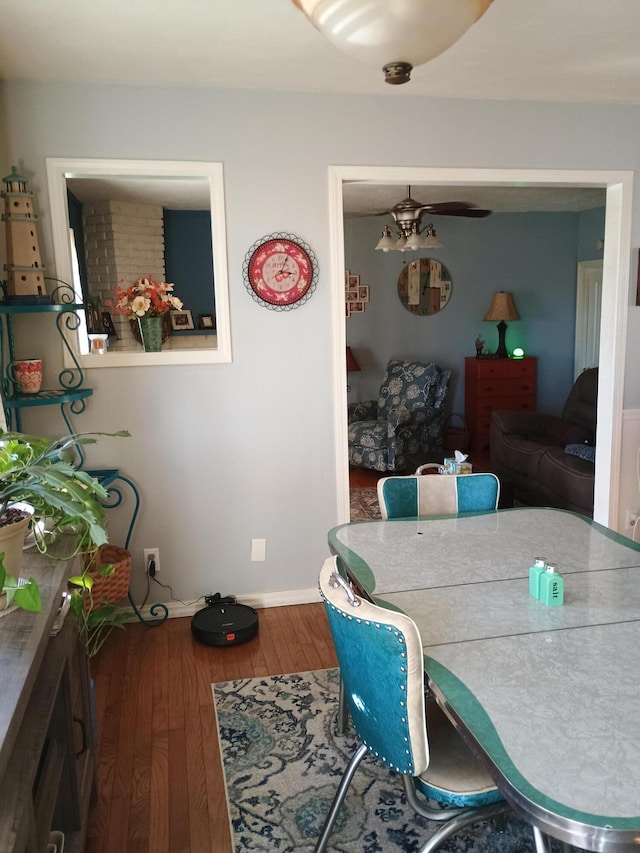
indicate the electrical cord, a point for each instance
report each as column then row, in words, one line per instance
column 151, row 576
column 173, row 598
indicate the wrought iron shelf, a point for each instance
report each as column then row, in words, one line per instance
column 39, row 307
column 111, row 479
column 71, row 394
column 47, row 398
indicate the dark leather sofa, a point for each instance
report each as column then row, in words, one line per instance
column 549, row 460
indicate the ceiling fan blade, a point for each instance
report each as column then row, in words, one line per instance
column 455, row 208
column 474, row 212
column 411, row 209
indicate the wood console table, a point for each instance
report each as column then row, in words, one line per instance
column 47, row 729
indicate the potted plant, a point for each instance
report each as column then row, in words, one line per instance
column 148, row 304
column 40, row 485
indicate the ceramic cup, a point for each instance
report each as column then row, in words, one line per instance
column 27, row 374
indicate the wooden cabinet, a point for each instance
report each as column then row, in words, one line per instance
column 496, row 383
column 47, row 731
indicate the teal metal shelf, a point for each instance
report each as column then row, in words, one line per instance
column 40, row 307
column 71, row 395
column 47, row 398
column 110, row 479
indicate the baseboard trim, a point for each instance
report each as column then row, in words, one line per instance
column 258, row 600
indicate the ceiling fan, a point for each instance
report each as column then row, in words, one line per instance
column 407, row 215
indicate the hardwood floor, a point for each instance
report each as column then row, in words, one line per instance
column 160, row 782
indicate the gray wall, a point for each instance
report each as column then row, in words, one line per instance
column 226, row 453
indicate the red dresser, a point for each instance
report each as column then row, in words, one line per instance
column 496, row 383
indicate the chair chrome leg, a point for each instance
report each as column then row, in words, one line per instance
column 343, row 710
column 541, row 841
column 352, row 766
column 465, row 818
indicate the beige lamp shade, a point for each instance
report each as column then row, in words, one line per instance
column 502, row 307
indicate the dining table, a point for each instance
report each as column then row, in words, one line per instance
column 547, row 696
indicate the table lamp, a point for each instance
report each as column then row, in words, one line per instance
column 502, row 308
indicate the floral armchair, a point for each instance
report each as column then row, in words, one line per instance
column 406, row 419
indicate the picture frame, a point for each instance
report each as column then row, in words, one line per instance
column 181, row 320
column 207, row 321
column 356, row 295
column 108, row 326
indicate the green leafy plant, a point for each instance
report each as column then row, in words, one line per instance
column 23, row 594
column 65, row 501
column 95, row 623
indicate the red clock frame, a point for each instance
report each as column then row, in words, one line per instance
column 280, row 271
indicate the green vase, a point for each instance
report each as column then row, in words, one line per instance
column 151, row 333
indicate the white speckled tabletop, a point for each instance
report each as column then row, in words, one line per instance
column 549, row 693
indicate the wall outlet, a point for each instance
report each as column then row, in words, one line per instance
column 631, row 519
column 151, row 554
column 258, row 550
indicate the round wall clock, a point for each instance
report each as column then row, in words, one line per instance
column 280, row 271
column 424, row 286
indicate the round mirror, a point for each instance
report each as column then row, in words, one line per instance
column 424, row 286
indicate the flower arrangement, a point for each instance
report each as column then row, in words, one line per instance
column 145, row 298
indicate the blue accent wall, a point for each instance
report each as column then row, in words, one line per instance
column 591, row 234
column 532, row 255
column 189, row 259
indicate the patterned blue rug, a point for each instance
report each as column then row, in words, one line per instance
column 283, row 762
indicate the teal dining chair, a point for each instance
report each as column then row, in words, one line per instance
column 437, row 494
column 381, row 663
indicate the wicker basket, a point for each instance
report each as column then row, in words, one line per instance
column 456, row 437
column 116, row 586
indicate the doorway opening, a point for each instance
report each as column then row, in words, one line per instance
column 615, row 286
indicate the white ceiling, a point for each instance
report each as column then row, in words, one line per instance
column 362, row 199
column 548, row 50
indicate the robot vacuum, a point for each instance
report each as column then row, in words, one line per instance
column 223, row 622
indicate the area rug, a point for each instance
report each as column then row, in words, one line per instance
column 364, row 504
column 282, row 764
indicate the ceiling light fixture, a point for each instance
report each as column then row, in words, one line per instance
column 409, row 237
column 395, row 36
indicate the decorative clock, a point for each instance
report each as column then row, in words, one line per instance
column 280, row 271
column 424, row 286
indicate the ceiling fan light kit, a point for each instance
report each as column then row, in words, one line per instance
column 407, row 215
column 395, row 36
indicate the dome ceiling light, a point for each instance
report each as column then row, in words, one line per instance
column 395, row 35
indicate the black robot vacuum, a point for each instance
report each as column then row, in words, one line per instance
column 223, row 622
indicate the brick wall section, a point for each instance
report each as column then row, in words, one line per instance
column 123, row 241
